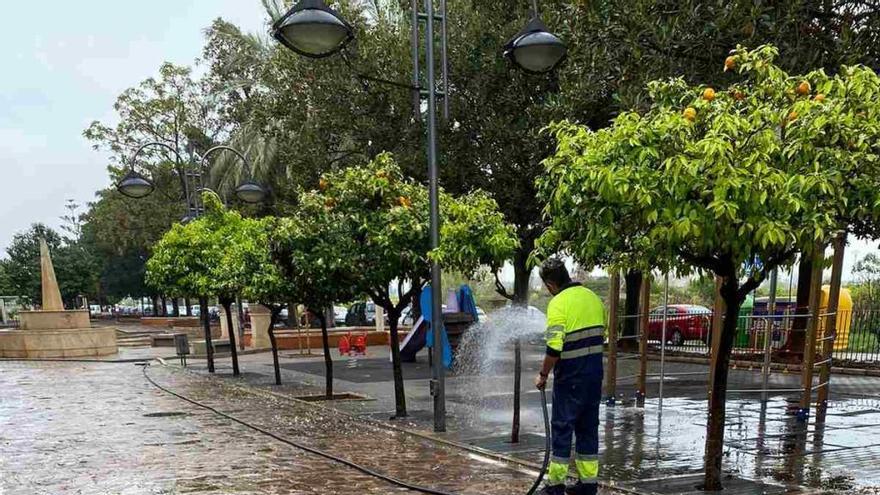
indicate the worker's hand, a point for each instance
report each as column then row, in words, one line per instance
column 540, row 382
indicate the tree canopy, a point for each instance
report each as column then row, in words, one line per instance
column 75, row 266
column 728, row 182
column 723, row 180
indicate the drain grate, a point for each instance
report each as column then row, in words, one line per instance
column 342, row 396
column 168, row 414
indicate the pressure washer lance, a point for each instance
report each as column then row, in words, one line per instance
column 358, row 467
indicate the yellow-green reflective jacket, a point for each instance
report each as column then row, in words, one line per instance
column 575, row 331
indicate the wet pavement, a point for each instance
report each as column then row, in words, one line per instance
column 95, row 428
column 764, row 444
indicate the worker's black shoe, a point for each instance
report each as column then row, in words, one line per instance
column 582, row 489
column 553, row 490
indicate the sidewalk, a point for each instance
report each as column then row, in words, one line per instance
column 637, row 445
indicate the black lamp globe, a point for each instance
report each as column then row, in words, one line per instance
column 135, row 185
column 535, row 49
column 312, row 29
column 250, row 192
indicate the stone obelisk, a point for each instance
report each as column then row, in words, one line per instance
column 51, row 293
column 52, row 331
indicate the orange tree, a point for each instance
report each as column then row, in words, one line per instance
column 211, row 255
column 733, row 183
column 369, row 226
column 181, row 263
column 313, row 253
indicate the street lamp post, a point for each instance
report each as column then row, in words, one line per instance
column 136, row 186
column 312, row 29
column 249, row 192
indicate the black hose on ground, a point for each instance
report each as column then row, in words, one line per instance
column 365, row 470
column 547, row 447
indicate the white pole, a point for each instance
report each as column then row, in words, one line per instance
column 768, row 332
column 663, row 336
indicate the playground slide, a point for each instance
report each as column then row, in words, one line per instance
column 414, row 342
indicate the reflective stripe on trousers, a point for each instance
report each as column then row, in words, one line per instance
column 576, row 413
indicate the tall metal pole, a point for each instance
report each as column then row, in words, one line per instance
column 768, row 332
column 444, row 67
column 438, row 372
column 611, row 373
column 416, row 75
column 663, row 337
column 644, row 313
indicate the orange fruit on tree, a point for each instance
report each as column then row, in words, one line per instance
column 819, row 97
column 404, row 201
column 803, row 88
column 729, row 63
column 690, row 113
column 708, row 94
column 738, row 95
column 323, row 184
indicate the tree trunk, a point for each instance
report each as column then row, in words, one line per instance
column 206, row 322
column 633, row 282
column 718, row 391
column 164, row 311
column 175, row 304
column 416, row 311
column 521, row 276
column 188, row 303
column 227, row 307
column 517, row 390
column 794, row 346
column 240, row 322
column 272, row 321
column 328, row 359
column 156, row 306
column 399, row 394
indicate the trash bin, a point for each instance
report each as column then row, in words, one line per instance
column 181, row 345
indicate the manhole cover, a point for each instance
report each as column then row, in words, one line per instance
column 169, row 414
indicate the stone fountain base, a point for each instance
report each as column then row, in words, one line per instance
column 57, row 334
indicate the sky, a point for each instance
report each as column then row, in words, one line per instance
column 64, row 63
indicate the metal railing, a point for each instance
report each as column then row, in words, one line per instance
column 856, row 337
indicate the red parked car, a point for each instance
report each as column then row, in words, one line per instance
column 683, row 322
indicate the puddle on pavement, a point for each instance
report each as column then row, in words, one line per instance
column 762, row 442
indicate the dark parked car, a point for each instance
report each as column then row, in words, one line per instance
column 361, row 314
column 683, row 322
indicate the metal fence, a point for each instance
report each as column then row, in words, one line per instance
column 856, row 340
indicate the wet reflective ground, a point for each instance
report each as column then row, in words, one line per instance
column 102, row 428
column 636, row 444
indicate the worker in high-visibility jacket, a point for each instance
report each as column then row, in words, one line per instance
column 574, row 336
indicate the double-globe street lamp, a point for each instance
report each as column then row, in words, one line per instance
column 134, row 185
column 313, row 29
